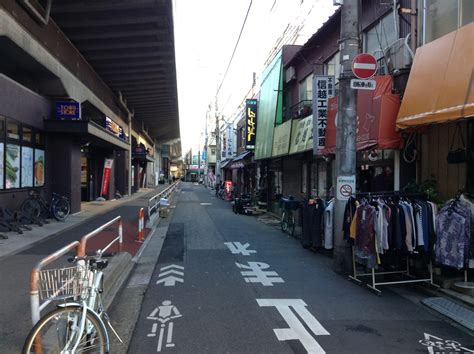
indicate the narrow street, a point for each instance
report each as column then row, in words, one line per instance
column 230, row 283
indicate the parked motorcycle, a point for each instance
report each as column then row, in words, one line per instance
column 243, row 204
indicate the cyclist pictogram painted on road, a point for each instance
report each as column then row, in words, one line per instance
column 257, row 274
column 296, row 329
column 163, row 314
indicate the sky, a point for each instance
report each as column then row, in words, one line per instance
column 205, row 35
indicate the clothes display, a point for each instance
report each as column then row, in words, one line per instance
column 329, row 225
column 313, row 216
column 453, row 230
column 388, row 222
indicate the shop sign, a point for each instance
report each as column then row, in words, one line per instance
column 281, row 139
column 195, row 160
column 237, row 165
column 358, row 84
column 139, row 150
column 68, row 110
column 251, row 123
column 323, row 89
column 302, row 135
column 345, row 187
column 113, row 127
column 106, row 176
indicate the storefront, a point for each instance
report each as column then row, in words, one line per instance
column 438, row 105
column 243, row 173
column 378, row 142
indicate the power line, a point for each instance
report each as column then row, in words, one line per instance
column 235, row 48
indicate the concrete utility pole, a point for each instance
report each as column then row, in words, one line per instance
column 218, row 147
column 346, row 129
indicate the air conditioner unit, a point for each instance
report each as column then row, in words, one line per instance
column 398, row 56
column 290, row 74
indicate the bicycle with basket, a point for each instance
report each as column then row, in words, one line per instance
column 77, row 325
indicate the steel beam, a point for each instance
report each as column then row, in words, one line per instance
column 111, row 20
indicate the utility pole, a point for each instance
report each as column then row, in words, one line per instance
column 218, row 147
column 349, row 45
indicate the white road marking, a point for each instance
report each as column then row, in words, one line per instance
column 164, row 314
column 438, row 345
column 205, row 203
column 257, row 274
column 296, row 329
column 170, row 279
column 239, row 248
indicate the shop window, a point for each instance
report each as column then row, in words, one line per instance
column 333, row 67
column 13, row 130
column 306, row 88
column 21, row 156
column 443, row 16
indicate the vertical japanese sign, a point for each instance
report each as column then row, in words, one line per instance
column 323, row 89
column 251, row 124
column 106, row 176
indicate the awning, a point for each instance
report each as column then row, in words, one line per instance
column 376, row 115
column 226, row 163
column 88, row 130
column 239, row 160
column 440, row 87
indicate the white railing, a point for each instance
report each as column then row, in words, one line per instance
column 154, row 202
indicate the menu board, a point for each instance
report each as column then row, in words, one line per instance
column 12, row 168
column 26, row 167
column 39, row 167
column 2, row 151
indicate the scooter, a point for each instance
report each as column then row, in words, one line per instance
column 243, row 204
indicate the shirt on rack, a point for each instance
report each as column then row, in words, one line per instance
column 364, row 246
column 329, row 225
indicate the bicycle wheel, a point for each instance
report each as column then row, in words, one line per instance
column 57, row 332
column 291, row 224
column 284, row 221
column 31, row 206
column 61, row 209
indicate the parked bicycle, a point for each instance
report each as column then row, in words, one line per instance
column 35, row 205
column 287, row 221
column 78, row 325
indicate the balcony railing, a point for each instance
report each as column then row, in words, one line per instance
column 300, row 110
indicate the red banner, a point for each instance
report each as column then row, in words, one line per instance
column 106, row 177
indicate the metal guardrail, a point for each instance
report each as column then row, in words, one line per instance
column 82, row 249
column 36, row 308
column 154, row 202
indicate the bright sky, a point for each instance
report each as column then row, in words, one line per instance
column 205, row 35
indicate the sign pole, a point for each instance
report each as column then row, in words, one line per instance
column 346, row 131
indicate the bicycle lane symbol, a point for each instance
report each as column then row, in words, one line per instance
column 164, row 314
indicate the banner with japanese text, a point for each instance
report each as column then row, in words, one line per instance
column 250, row 123
column 106, row 176
column 323, row 89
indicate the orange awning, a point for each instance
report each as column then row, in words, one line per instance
column 440, row 87
column 376, row 115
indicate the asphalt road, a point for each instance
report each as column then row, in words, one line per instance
column 228, row 304
column 15, row 318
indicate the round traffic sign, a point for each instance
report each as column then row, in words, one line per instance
column 346, row 190
column 364, row 66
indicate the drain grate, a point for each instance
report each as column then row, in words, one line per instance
column 452, row 310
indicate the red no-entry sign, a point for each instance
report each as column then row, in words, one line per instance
column 364, row 66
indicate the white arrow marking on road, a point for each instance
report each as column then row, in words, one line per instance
column 297, row 330
column 171, row 271
column 170, row 281
column 172, row 266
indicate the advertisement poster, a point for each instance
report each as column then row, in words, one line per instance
column 251, row 123
column 106, row 176
column 12, row 168
column 26, row 167
column 2, row 151
column 39, row 167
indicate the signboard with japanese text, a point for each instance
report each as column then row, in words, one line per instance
column 323, row 89
column 68, row 110
column 251, row 124
column 345, row 187
column 106, row 176
column 301, row 135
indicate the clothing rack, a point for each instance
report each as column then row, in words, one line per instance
column 374, row 283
